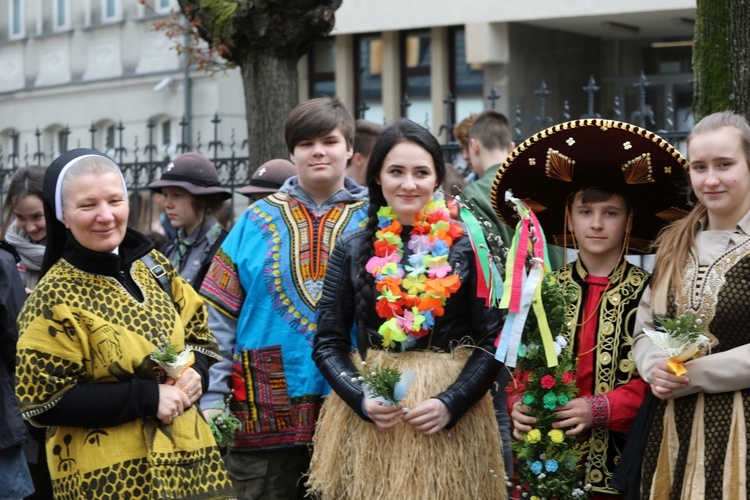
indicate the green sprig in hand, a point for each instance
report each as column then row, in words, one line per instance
column 224, row 424
column 386, row 384
column 170, row 360
column 680, row 338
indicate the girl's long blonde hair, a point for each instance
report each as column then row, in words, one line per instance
column 675, row 241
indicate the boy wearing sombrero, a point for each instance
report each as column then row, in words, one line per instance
column 603, row 188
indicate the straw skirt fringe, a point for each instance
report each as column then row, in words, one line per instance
column 352, row 459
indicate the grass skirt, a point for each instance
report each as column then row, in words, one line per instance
column 352, row 459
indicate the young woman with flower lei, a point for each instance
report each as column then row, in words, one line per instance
column 408, row 282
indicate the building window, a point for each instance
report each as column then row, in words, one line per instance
column 109, row 138
column 465, row 80
column 61, row 14
column 16, row 28
column 165, row 140
column 322, row 63
column 368, row 61
column 163, row 6
column 62, row 140
column 415, row 75
column 111, row 10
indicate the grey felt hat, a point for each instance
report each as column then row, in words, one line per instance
column 194, row 173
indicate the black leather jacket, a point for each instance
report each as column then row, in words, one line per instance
column 12, row 296
column 465, row 318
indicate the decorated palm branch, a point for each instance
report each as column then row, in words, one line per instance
column 533, row 342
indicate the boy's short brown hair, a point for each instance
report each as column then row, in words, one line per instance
column 461, row 130
column 318, row 118
column 365, row 135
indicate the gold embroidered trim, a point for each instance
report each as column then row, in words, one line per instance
column 559, row 166
column 671, row 214
column 638, row 170
column 535, row 206
column 700, row 297
column 618, row 305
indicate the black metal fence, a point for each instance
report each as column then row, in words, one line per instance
column 143, row 164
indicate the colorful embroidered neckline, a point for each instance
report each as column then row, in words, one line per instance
column 413, row 296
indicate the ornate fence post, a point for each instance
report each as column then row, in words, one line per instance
column 541, row 120
column 493, row 97
column 38, row 155
column 216, row 143
column 643, row 110
column 591, row 89
column 405, row 104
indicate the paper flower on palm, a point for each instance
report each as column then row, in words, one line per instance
column 171, row 361
column 387, row 385
column 679, row 339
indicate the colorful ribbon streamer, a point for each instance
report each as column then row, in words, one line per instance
column 524, row 291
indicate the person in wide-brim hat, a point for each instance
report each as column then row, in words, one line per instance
column 268, row 178
column 614, row 156
column 603, row 187
column 193, row 195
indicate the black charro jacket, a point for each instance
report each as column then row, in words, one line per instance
column 466, row 319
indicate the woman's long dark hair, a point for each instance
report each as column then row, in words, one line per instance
column 402, row 130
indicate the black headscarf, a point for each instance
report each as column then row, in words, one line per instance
column 57, row 234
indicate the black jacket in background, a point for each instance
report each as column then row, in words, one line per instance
column 12, row 295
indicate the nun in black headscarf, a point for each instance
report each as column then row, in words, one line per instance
column 88, row 331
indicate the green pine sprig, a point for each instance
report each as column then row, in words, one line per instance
column 381, row 381
column 165, row 353
column 686, row 328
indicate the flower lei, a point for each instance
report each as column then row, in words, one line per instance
column 413, row 295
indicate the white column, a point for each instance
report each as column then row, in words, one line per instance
column 345, row 72
column 391, row 76
column 439, row 84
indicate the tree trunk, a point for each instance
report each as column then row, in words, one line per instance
column 739, row 55
column 271, row 91
column 721, row 57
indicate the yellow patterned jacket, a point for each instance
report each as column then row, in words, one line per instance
column 79, row 328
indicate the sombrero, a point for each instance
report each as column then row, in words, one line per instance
column 606, row 154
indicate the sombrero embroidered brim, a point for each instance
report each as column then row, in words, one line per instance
column 610, row 155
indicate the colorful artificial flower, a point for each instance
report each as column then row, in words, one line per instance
column 562, row 399
column 568, row 378
column 536, row 467
column 550, row 466
column 413, row 295
column 548, row 381
column 556, row 436
column 550, row 400
column 533, row 436
column 528, row 399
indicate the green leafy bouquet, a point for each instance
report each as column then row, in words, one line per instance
column 386, row 384
column 171, row 361
column 224, row 424
column 549, row 459
column 679, row 338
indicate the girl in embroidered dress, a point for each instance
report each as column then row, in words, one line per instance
column 589, row 205
column 408, row 281
column 697, row 446
column 193, row 197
